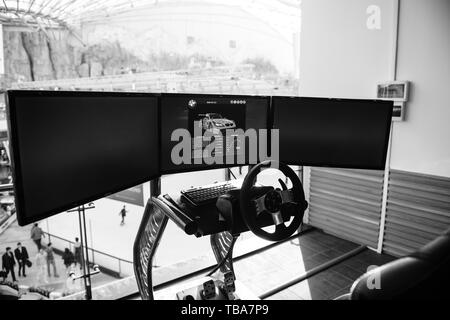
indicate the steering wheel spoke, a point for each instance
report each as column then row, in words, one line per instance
column 287, row 196
column 277, row 218
column 260, row 206
column 280, row 228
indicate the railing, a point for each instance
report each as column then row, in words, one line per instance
column 6, row 221
column 8, row 217
column 108, row 263
column 6, row 187
column 141, row 76
column 219, row 80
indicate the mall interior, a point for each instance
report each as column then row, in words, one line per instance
column 343, row 194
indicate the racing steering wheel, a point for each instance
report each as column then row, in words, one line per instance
column 276, row 202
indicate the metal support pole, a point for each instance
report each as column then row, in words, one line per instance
column 92, row 241
column 88, row 275
column 155, row 187
column 84, row 248
column 227, row 174
column 48, row 231
column 82, row 251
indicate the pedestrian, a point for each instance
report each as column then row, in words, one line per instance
column 77, row 252
column 3, row 156
column 8, row 263
column 21, row 255
column 51, row 261
column 123, row 214
column 36, row 235
column 72, row 284
column 41, row 263
column 68, row 259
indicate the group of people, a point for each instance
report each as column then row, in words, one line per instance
column 9, row 261
column 72, row 259
column 45, row 258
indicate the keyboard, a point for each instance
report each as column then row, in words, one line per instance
column 199, row 196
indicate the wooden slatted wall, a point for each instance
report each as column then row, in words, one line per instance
column 347, row 203
column 418, row 210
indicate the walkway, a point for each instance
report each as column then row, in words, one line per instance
column 15, row 234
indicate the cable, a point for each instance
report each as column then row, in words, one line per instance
column 224, row 259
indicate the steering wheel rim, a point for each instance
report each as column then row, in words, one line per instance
column 252, row 206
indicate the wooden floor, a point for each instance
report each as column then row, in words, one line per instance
column 269, row 269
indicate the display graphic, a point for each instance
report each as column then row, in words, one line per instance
column 215, row 121
column 214, row 126
column 209, row 122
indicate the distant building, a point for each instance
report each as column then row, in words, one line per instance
column 227, row 32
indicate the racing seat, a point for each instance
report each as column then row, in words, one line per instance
column 424, row 274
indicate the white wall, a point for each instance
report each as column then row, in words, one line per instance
column 339, row 55
column 422, row 143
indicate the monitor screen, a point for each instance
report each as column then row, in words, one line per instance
column 186, row 120
column 332, row 132
column 69, row 148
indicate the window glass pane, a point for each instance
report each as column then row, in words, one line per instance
column 214, row 46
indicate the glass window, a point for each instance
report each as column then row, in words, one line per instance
column 162, row 46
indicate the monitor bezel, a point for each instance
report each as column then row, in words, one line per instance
column 22, row 217
column 205, row 167
column 307, row 164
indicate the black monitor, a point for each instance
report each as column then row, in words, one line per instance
column 69, row 148
column 198, row 113
column 340, row 133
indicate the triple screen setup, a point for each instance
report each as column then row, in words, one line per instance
column 70, row 148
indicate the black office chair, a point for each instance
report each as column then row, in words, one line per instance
column 424, row 274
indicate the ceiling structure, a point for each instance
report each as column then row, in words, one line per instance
column 69, row 13
column 54, row 13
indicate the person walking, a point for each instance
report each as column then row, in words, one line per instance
column 41, row 263
column 77, row 252
column 8, row 263
column 68, row 259
column 21, row 255
column 51, row 261
column 123, row 214
column 36, row 235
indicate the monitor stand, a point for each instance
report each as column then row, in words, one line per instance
column 153, row 224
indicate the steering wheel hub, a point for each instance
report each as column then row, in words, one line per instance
column 273, row 201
